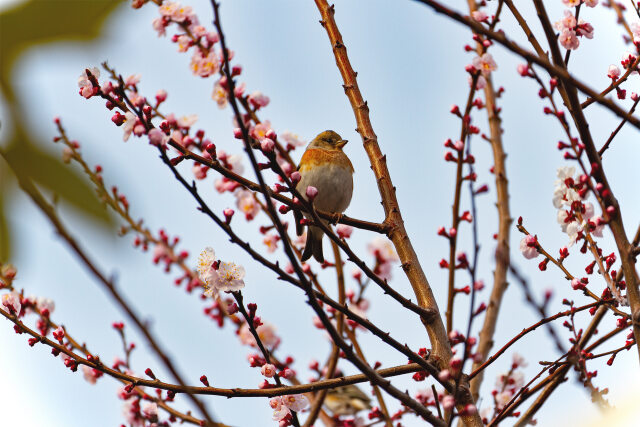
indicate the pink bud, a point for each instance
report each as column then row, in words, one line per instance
column 311, row 192
column 295, row 177
column 228, row 214
column 267, row 145
column 237, row 133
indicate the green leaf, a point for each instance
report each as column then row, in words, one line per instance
column 50, row 173
column 44, row 21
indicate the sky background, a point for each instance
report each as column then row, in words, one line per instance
column 410, row 65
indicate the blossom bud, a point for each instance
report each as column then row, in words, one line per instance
column 311, row 192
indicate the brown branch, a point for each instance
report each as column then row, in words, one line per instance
column 398, row 234
column 502, row 257
column 307, row 287
column 570, row 96
column 617, row 129
column 107, row 284
column 557, row 71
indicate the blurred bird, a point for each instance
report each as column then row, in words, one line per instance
column 347, row 400
column 327, row 168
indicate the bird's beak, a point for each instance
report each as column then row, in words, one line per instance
column 342, row 143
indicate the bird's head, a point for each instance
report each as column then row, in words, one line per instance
column 329, row 140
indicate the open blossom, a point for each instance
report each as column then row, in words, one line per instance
column 292, row 139
column 567, row 23
column 158, row 138
column 573, row 231
column 150, row 410
column 519, row 361
column 227, row 278
column 485, row 64
column 584, row 29
column 258, row 99
column 260, row 130
column 529, row 246
column 129, row 124
column 344, row 231
column 635, row 29
column 271, row 242
column 295, row 402
column 247, row 204
column 590, row 3
column 187, row 121
column 268, row 370
column 382, row 249
column 569, row 39
column 90, row 375
column 204, row 65
column 479, row 16
column 11, row 302
column 266, row 333
column 481, row 82
column 86, row 87
column 219, row 95
column 571, row 3
column 613, row 72
column 280, row 410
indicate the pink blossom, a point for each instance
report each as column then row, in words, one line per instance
column 184, row 43
column 150, row 410
column 584, row 29
column 577, row 284
column 613, row 72
column 382, row 248
column 566, row 23
column 199, row 171
column 635, row 29
column 158, row 138
column 271, row 242
column 258, row 100
column 485, row 64
column 11, row 302
column 267, row 145
column 84, row 81
column 90, row 375
column 481, row 82
column 45, row 304
column 132, row 80
column 590, row 3
column 268, row 370
column 227, row 278
column 479, row 16
column 129, row 124
column 599, row 226
column 260, row 130
column 266, row 333
column 247, row 204
column 160, row 26
column 67, row 154
column 572, row 3
column 235, row 161
column 528, row 246
column 204, row 65
column 519, row 361
column 311, row 192
column 448, row 402
column 187, row 121
column 295, row 402
column 523, row 70
column 344, row 231
column 292, row 139
column 219, row 95
column 280, row 411
column 569, row 40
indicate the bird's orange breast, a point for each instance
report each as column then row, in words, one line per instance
column 317, row 156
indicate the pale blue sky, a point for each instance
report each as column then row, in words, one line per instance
column 411, row 69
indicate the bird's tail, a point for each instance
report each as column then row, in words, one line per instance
column 313, row 245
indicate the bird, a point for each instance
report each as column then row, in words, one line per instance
column 327, row 168
column 347, row 400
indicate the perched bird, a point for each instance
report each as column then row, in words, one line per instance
column 347, row 400
column 325, row 167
